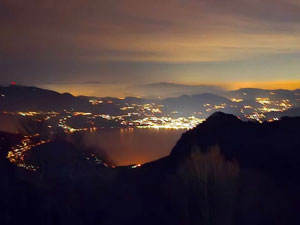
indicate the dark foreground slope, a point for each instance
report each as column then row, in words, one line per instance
column 224, row 171
column 249, row 171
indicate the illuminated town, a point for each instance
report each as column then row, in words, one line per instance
column 16, row 155
column 150, row 115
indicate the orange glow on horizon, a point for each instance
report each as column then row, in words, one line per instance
column 120, row 92
column 290, row 85
column 269, row 85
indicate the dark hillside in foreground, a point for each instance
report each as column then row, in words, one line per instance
column 263, row 146
column 224, row 171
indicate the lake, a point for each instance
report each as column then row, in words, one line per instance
column 134, row 145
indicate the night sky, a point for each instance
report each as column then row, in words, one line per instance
column 106, row 47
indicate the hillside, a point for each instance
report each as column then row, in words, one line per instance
column 225, row 171
column 25, row 98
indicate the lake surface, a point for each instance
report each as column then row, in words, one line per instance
column 134, row 145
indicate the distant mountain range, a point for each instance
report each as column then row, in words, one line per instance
column 22, row 98
column 166, row 90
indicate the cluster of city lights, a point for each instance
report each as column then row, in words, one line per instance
column 168, row 122
column 236, row 100
column 267, row 106
column 16, row 154
column 150, row 115
column 95, row 101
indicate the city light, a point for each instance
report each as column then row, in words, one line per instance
column 150, row 116
column 236, row 100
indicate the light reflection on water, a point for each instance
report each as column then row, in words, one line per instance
column 133, row 145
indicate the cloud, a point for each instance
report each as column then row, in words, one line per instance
column 140, row 41
column 140, row 30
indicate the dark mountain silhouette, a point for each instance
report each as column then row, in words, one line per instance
column 32, row 98
column 261, row 146
column 225, row 171
column 24, row 98
column 167, row 90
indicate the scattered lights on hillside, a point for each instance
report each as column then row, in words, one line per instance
column 273, row 119
column 81, row 113
column 95, row 101
column 127, row 108
column 16, row 154
column 263, row 101
column 129, row 116
column 136, row 166
column 152, row 115
column 222, row 106
column 236, row 100
column 93, row 158
column 28, row 113
column 256, row 116
column 285, row 104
